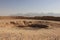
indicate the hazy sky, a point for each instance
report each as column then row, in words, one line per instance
column 25, row 6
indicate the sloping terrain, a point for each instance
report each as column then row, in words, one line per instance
column 19, row 29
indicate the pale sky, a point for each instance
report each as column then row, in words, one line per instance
column 8, row 7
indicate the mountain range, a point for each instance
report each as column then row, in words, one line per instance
column 37, row 14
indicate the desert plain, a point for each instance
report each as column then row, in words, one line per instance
column 21, row 29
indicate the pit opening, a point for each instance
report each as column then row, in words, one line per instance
column 38, row 26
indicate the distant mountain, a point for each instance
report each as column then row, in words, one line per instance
column 28, row 14
column 36, row 14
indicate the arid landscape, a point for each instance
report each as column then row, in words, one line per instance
column 29, row 29
column 29, row 20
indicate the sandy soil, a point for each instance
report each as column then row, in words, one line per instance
column 11, row 32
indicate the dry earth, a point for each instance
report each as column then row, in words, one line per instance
column 10, row 31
